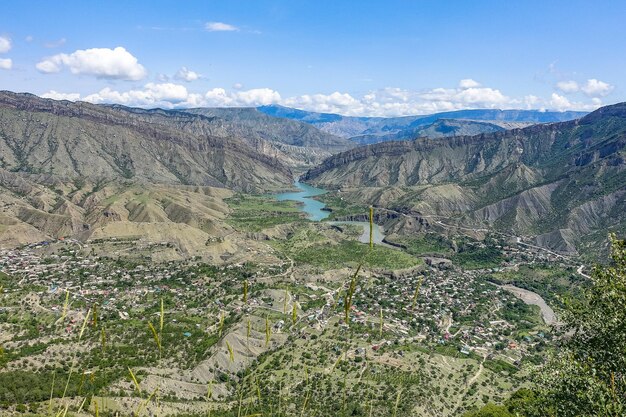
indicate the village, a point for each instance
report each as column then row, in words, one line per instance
column 435, row 305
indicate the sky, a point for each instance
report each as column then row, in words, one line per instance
column 359, row 58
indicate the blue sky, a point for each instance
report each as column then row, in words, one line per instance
column 360, row 58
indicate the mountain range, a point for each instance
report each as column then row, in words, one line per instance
column 82, row 140
column 294, row 142
column 91, row 171
column 441, row 128
column 377, row 129
column 563, row 183
column 85, row 170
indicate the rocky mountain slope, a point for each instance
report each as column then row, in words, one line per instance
column 108, row 171
column 250, row 123
column 40, row 207
column 294, row 142
column 408, row 127
column 81, row 140
column 564, row 183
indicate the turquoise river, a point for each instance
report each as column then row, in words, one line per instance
column 315, row 210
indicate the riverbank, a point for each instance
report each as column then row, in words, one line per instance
column 314, row 209
column 531, row 298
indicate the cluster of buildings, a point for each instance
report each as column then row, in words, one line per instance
column 449, row 306
column 439, row 305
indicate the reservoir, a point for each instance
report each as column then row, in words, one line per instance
column 315, row 210
column 311, row 207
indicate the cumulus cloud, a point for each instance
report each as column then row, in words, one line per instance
column 559, row 102
column 185, row 74
column 326, row 103
column 220, row 27
column 396, row 101
column 468, row 83
column 487, row 97
column 442, row 99
column 55, row 95
column 596, row 88
column 108, row 63
column 219, row 97
column 5, row 44
column 531, row 102
column 167, row 95
column 383, row 102
column 6, row 63
column 567, row 87
column 170, row 95
column 592, row 88
column 47, row 66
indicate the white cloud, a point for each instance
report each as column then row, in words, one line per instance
column 47, row 66
column 568, row 86
column 326, row 103
column 186, row 74
column 237, row 86
column 169, row 95
column 219, row 97
column 165, row 95
column 596, row 88
column 29, row 38
column 167, row 92
column 447, row 99
column 532, row 102
column 388, row 102
column 115, row 63
column 6, row 63
column 468, row 83
column 220, row 27
column 488, row 97
column 5, row 44
column 592, row 88
column 560, row 103
column 393, row 101
column 55, row 95
column 257, row 97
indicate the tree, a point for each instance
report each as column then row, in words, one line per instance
column 587, row 375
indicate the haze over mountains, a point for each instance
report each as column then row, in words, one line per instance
column 378, row 129
column 440, row 128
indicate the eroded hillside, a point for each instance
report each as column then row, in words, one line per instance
column 562, row 183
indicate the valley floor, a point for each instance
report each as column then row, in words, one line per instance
column 102, row 325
